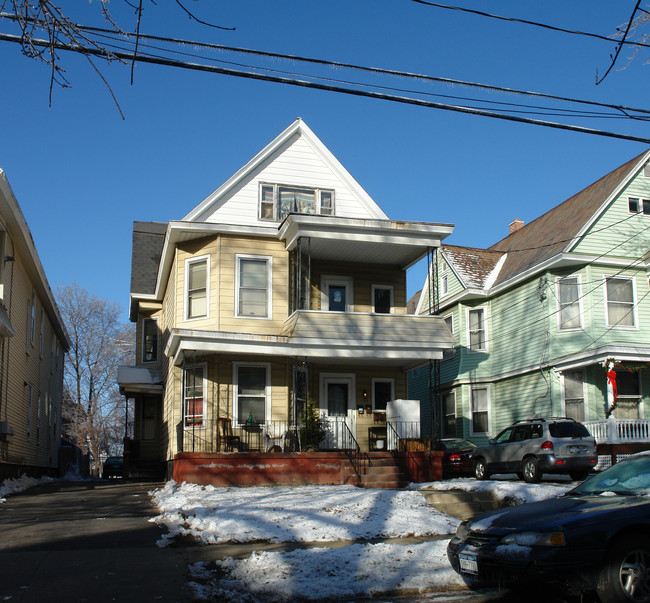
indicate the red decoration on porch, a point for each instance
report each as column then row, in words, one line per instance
column 611, row 378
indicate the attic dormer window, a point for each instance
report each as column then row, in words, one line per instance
column 278, row 201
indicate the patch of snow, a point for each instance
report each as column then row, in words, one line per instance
column 295, row 514
column 18, row 484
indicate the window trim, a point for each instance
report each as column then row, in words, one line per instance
column 635, row 317
column 235, row 390
column 186, row 296
column 374, row 288
column 451, row 392
column 275, row 195
column 325, row 282
column 446, row 354
column 144, row 334
column 471, row 411
column 204, row 367
column 559, row 305
column 376, row 380
column 642, row 204
column 269, row 284
column 485, row 348
column 585, row 405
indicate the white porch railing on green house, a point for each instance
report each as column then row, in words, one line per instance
column 620, row 431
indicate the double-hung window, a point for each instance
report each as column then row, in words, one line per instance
column 194, row 396
column 149, row 340
column 196, row 287
column 253, row 290
column 480, row 410
column 477, row 331
column 620, row 302
column 449, row 321
column 569, row 303
column 449, row 414
column 251, row 394
column 277, row 201
column 574, row 395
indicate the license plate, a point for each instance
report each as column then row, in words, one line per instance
column 468, row 564
column 575, row 449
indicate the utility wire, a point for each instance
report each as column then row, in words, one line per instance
column 620, row 44
column 313, row 85
column 377, row 70
column 542, row 110
column 533, row 23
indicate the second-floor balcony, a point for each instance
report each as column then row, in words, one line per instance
column 403, row 340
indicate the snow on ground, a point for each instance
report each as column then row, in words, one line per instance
column 18, row 484
column 296, row 514
column 321, row 515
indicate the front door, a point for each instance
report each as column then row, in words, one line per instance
column 337, row 408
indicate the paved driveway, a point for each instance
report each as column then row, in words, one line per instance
column 87, row 541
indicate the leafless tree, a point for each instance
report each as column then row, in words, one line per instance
column 93, row 410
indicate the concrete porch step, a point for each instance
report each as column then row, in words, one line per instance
column 462, row 504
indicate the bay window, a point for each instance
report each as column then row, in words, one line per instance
column 569, row 303
column 620, row 302
column 196, row 287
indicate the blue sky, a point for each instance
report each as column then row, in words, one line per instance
column 82, row 174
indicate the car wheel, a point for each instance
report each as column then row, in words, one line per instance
column 481, row 469
column 625, row 574
column 578, row 476
column 531, row 471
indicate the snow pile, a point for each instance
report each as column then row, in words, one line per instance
column 331, row 573
column 516, row 492
column 321, row 515
column 18, row 484
column 295, row 514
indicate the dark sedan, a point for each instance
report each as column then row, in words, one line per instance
column 595, row 537
column 457, row 458
column 113, row 467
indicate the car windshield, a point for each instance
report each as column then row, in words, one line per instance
column 631, row 476
column 568, row 429
column 458, row 445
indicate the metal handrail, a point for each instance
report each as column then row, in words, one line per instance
column 353, row 451
column 393, row 439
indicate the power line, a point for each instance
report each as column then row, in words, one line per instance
column 313, row 85
column 376, row 70
column 542, row 110
column 533, row 23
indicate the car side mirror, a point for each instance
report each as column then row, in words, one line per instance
column 491, row 441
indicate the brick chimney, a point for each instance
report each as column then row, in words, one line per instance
column 516, row 225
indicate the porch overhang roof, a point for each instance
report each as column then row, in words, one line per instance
column 619, row 352
column 403, row 341
column 139, row 380
column 373, row 241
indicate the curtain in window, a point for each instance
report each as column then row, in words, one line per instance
column 194, row 397
column 620, row 302
column 569, row 306
column 574, row 395
column 476, row 330
column 252, row 287
column 293, row 200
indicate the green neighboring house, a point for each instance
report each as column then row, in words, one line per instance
column 537, row 317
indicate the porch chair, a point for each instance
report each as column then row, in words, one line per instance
column 225, row 436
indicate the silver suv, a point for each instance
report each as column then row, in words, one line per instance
column 532, row 447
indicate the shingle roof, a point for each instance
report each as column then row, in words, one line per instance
column 473, row 266
column 554, row 231
column 148, row 240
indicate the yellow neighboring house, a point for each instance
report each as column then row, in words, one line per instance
column 284, row 289
column 33, row 342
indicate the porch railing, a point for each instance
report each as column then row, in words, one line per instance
column 619, row 431
column 280, row 436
